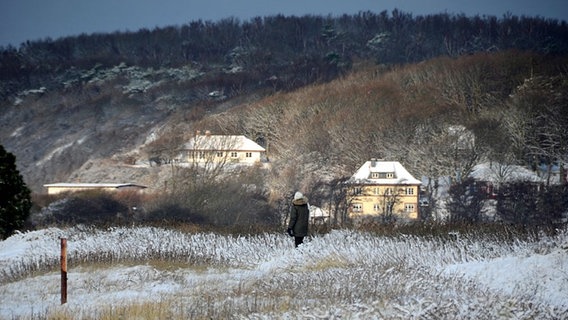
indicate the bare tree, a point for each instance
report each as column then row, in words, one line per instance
column 541, row 120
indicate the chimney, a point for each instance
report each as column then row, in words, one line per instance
column 373, row 162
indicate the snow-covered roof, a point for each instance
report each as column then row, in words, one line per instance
column 503, row 173
column 92, row 185
column 379, row 172
column 222, row 142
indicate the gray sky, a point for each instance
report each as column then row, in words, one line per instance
column 22, row 20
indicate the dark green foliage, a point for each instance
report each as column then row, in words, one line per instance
column 92, row 208
column 15, row 200
column 216, row 204
column 517, row 203
column 528, row 204
column 202, row 197
column 287, row 43
column 231, row 203
column 553, row 203
column 172, row 212
column 466, row 202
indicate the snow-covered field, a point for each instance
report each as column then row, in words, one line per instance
column 344, row 274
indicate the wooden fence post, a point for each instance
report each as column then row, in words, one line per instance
column 63, row 270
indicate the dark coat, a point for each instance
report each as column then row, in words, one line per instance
column 299, row 217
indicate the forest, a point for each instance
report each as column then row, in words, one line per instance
column 299, row 50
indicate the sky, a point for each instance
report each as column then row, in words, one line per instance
column 23, row 20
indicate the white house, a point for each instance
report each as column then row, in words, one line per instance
column 208, row 148
column 498, row 173
column 318, row 215
column 494, row 174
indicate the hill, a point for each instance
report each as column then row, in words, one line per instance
column 295, row 51
column 323, row 100
column 98, row 132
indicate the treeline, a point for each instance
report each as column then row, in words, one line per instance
column 311, row 47
column 521, row 203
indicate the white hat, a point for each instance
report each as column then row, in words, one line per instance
column 298, row 195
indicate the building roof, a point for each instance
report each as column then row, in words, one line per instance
column 222, row 142
column 93, row 185
column 500, row 173
column 365, row 174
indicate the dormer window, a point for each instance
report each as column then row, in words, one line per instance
column 382, row 175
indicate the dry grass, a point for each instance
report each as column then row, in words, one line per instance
column 344, row 274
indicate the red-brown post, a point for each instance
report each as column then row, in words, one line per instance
column 63, row 270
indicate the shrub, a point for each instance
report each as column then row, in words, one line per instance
column 93, row 207
column 466, row 202
column 527, row 204
column 167, row 212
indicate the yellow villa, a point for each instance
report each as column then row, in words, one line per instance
column 383, row 189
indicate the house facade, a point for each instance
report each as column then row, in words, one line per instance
column 208, row 148
column 383, row 189
column 57, row 188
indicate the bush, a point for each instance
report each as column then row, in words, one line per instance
column 167, row 212
column 236, row 200
column 94, row 208
column 527, row 204
column 466, row 202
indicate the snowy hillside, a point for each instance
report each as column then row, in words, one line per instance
column 342, row 274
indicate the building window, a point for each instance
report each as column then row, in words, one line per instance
column 357, row 207
column 382, row 175
column 409, row 191
column 234, row 155
column 376, row 191
column 389, row 192
column 248, row 154
column 219, row 154
column 201, row 155
column 357, row 190
column 376, row 207
column 409, row 207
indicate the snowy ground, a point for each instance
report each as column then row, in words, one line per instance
column 343, row 274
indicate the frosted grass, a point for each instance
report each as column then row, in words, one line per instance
column 342, row 274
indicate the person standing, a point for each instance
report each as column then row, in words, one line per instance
column 299, row 218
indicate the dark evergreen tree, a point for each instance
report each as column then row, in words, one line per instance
column 466, row 202
column 517, row 203
column 15, row 200
column 527, row 204
column 552, row 203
